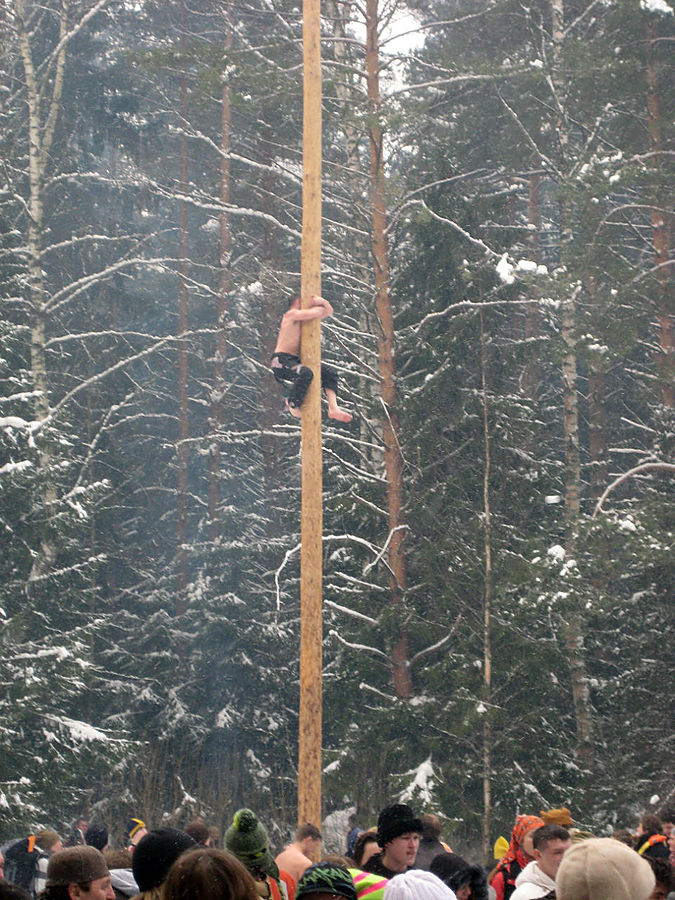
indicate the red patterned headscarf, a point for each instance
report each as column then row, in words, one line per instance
column 522, row 826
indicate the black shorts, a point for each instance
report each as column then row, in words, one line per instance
column 289, row 371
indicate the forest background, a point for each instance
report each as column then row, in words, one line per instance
column 498, row 518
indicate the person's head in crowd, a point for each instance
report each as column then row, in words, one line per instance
column 560, row 816
column 603, row 869
column 326, row 881
column 199, row 832
column 122, row 878
column 527, row 831
column 78, row 873
column 417, row 885
column 431, row 827
column 308, row 839
column 522, row 835
column 665, row 878
column 520, row 849
column 550, row 842
column 398, row 833
column 49, row 841
column 366, row 846
column 649, row 823
column 455, row 872
column 12, row 891
column 118, row 859
column 337, row 859
column 668, row 821
column 97, row 836
column 247, row 839
column 625, row 836
column 134, row 832
column 154, row 855
column 652, row 845
column 2, row 865
column 208, row 873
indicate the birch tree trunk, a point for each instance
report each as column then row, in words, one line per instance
column 387, row 355
column 41, row 136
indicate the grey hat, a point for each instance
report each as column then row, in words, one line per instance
column 76, row 865
column 603, row 869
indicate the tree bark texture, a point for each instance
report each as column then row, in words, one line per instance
column 40, row 136
column 224, row 288
column 575, row 625
column 311, row 568
column 487, row 609
column 183, row 425
column 662, row 236
column 387, row 354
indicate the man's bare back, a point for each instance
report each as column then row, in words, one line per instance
column 290, row 329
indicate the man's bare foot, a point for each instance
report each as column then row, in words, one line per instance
column 334, row 412
column 294, row 410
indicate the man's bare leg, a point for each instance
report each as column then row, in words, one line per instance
column 294, row 410
column 335, row 411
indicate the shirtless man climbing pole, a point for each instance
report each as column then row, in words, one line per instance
column 286, row 365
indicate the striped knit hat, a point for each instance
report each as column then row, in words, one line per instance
column 368, row 886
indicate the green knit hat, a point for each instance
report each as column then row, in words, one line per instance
column 246, row 838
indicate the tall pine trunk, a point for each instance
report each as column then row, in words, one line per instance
column 183, row 426
column 531, row 378
column 661, row 221
column 574, row 637
column 487, row 611
column 387, row 358
column 337, row 13
column 217, row 417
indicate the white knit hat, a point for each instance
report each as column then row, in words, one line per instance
column 603, row 869
column 417, row 885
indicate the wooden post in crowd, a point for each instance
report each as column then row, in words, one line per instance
column 309, row 750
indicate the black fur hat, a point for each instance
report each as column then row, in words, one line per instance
column 396, row 820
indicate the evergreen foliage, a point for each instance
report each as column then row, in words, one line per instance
column 150, row 497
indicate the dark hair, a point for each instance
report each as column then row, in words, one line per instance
column 431, row 827
column 667, row 814
column 337, row 859
column 651, row 824
column 198, row 831
column 547, row 833
column 624, row 836
column 452, row 869
column 308, row 830
column 663, row 873
column 366, row 837
column 118, row 859
column 10, row 891
column 206, row 872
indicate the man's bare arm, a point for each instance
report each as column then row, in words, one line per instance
column 320, row 309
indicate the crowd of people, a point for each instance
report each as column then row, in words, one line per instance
column 403, row 857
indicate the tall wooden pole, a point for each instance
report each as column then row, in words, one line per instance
column 309, row 753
